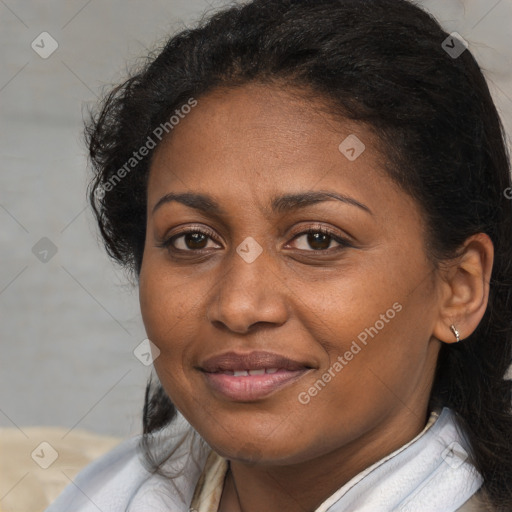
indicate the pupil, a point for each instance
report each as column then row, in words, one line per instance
column 195, row 240
column 319, row 241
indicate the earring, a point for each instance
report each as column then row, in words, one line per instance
column 455, row 332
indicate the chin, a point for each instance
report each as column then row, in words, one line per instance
column 267, row 452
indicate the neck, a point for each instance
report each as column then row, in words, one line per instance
column 278, row 488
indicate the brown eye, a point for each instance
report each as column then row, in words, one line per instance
column 318, row 240
column 195, row 240
column 189, row 241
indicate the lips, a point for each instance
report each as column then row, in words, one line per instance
column 251, row 377
column 232, row 362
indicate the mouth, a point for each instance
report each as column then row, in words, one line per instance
column 251, row 377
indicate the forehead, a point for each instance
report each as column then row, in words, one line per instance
column 259, row 132
column 245, row 146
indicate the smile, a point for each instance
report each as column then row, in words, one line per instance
column 251, row 377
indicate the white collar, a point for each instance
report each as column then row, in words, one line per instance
column 430, row 472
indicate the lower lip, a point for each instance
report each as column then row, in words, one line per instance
column 251, row 387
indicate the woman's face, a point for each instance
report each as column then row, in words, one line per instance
column 335, row 325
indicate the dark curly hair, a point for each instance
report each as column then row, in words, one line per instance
column 380, row 62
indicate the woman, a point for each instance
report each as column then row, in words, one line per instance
column 311, row 195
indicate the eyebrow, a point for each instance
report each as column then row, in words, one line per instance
column 281, row 204
column 291, row 202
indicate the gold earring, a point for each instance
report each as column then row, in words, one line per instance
column 455, row 332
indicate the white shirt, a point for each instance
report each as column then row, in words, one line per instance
column 430, row 473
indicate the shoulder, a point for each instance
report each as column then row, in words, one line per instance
column 105, row 483
column 120, row 481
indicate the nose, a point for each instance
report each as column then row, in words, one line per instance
column 248, row 294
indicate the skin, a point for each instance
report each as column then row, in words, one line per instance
column 243, row 148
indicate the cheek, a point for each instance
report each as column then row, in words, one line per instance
column 168, row 317
column 374, row 325
column 370, row 374
column 161, row 317
column 163, row 303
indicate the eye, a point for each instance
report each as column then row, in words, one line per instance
column 319, row 239
column 192, row 239
column 314, row 239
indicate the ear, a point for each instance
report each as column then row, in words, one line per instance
column 465, row 289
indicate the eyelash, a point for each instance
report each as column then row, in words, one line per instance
column 343, row 243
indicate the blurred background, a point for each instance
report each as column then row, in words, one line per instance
column 70, row 320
